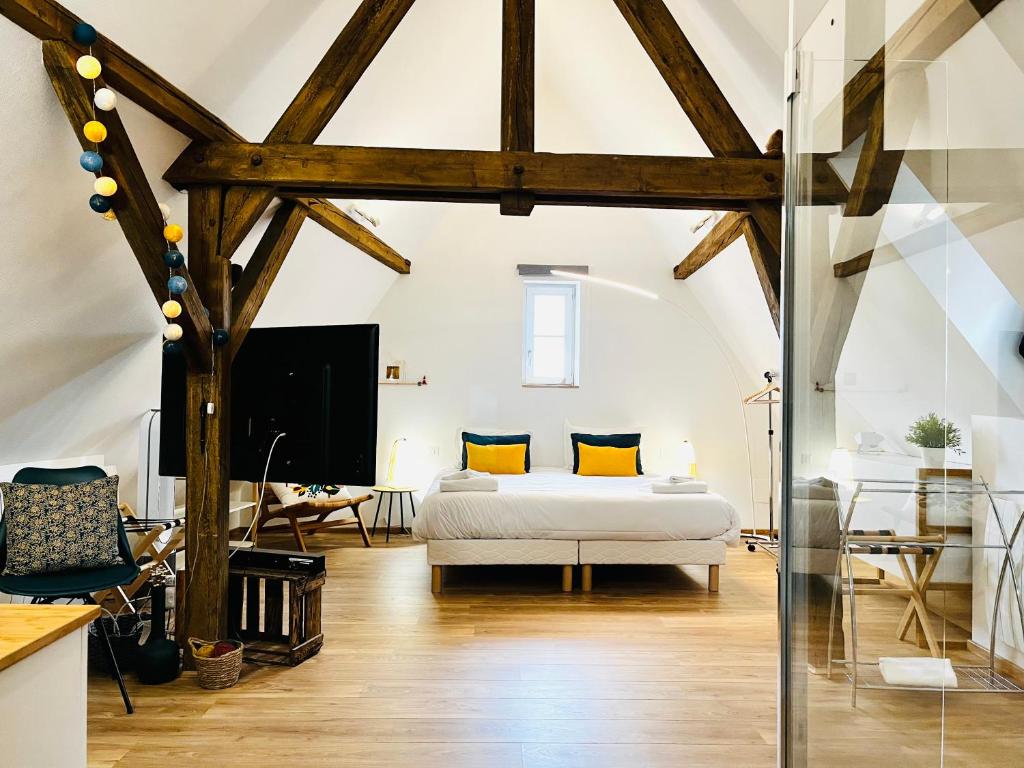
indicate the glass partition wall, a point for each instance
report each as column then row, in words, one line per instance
column 902, row 610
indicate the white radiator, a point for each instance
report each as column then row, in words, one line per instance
column 155, row 493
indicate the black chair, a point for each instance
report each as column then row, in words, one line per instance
column 79, row 583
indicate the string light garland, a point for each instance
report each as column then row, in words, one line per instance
column 105, row 189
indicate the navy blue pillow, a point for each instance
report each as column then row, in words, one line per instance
column 604, row 441
column 469, row 437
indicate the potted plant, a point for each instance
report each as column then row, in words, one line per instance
column 933, row 435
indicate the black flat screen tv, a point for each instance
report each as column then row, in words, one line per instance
column 317, row 385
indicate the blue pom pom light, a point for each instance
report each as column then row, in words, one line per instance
column 172, row 347
column 177, row 284
column 84, row 34
column 174, row 259
column 91, row 161
column 99, row 203
column 221, row 337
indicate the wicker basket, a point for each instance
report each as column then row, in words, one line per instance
column 219, row 672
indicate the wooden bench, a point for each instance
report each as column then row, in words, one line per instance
column 308, row 517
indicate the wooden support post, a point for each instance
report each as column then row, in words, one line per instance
column 517, row 89
column 207, row 434
column 587, row 577
column 713, row 573
column 567, row 578
column 436, row 579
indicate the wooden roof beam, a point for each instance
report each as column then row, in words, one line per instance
column 933, row 236
column 768, row 267
column 330, row 218
column 723, row 234
column 873, row 182
column 700, row 97
column 929, row 31
column 49, row 20
column 479, row 176
column 259, row 273
column 316, row 103
column 517, row 89
column 136, row 207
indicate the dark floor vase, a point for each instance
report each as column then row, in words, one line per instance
column 159, row 659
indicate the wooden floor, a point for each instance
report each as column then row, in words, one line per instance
column 504, row 670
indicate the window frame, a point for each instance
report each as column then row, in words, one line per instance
column 572, row 291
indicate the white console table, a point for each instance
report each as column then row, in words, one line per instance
column 43, row 655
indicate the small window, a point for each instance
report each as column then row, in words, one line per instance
column 551, row 325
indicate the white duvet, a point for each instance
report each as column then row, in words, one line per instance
column 556, row 504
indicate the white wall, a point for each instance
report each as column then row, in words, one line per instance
column 644, row 363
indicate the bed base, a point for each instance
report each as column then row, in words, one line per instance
column 442, row 552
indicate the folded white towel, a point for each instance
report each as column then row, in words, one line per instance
column 917, row 671
column 692, row 486
column 478, row 483
column 680, row 478
column 465, row 474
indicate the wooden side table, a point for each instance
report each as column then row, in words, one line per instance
column 391, row 491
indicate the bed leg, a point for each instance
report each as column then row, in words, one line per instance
column 567, row 578
column 713, row 578
column 436, row 579
column 588, row 578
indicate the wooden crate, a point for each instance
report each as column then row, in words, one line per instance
column 276, row 613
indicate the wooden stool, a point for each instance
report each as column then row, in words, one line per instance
column 390, row 491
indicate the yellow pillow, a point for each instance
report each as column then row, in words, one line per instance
column 497, row 459
column 607, row 461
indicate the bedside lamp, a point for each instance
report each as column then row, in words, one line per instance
column 688, row 458
column 393, row 461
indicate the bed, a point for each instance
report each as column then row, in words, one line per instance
column 551, row 516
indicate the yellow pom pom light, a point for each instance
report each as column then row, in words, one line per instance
column 173, row 233
column 173, row 332
column 105, row 186
column 110, row 216
column 95, row 131
column 88, row 67
column 172, row 309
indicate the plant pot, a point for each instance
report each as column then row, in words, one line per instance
column 933, row 458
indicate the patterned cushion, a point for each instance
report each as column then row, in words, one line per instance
column 60, row 527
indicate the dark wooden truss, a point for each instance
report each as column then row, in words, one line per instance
column 231, row 184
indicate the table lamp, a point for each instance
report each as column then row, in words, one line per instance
column 393, row 461
column 688, row 458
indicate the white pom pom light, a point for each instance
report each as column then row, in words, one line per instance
column 172, row 332
column 105, row 99
column 165, row 211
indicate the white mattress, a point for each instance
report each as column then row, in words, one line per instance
column 551, row 503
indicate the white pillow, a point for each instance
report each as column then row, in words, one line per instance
column 570, row 428
column 288, row 494
column 487, row 431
